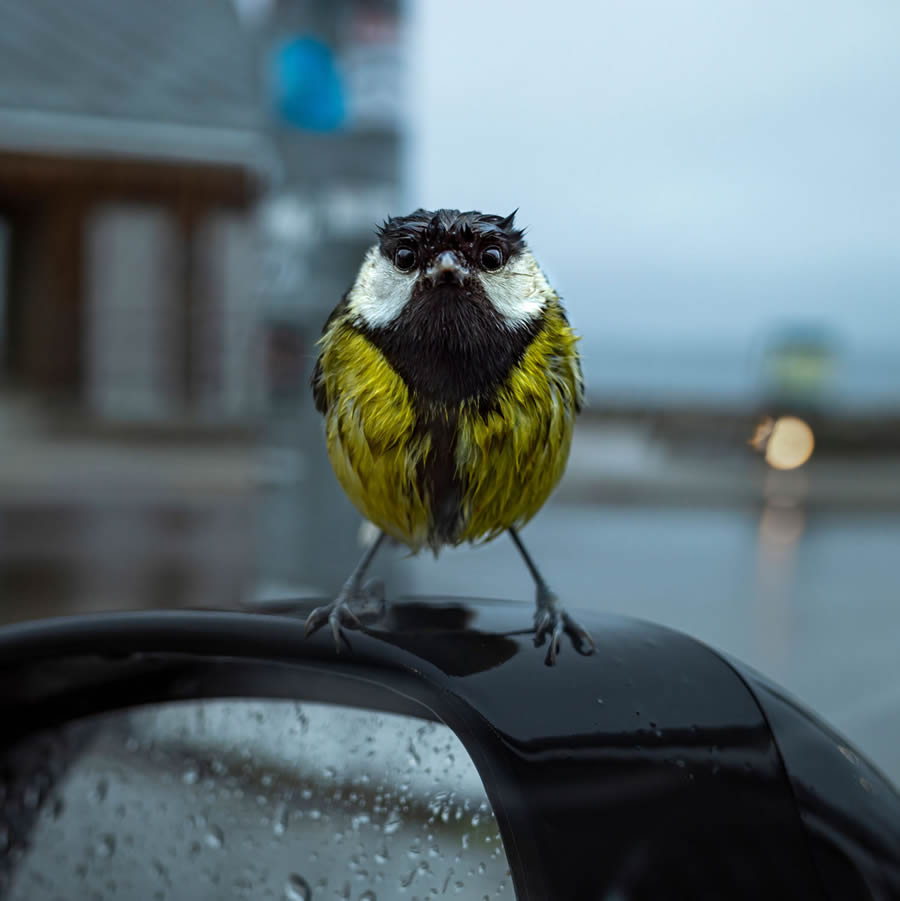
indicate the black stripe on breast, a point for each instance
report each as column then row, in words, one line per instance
column 450, row 346
column 437, row 477
column 450, row 349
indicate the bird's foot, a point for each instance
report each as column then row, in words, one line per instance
column 551, row 620
column 345, row 610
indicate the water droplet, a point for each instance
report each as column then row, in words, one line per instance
column 476, row 819
column 465, row 840
column 381, row 855
column 190, row 776
column 214, row 837
column 368, row 896
column 848, row 753
column 680, row 763
column 393, row 824
column 106, row 847
column 315, row 814
column 101, row 789
column 297, row 889
column 160, row 868
column 280, row 824
column 330, row 772
column 599, row 700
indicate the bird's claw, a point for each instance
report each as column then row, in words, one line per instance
column 339, row 614
column 551, row 621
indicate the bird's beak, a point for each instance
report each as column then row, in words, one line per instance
column 446, row 269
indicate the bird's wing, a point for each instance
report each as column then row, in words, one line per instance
column 318, row 382
column 576, row 365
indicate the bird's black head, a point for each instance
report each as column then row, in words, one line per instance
column 449, row 246
column 452, row 298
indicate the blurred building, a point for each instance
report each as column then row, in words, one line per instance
column 172, row 235
column 131, row 155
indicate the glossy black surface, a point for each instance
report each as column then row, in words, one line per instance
column 648, row 770
column 850, row 809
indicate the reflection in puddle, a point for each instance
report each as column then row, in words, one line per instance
column 58, row 560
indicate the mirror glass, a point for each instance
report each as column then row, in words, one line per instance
column 199, row 801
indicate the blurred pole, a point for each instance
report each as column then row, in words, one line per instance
column 337, row 183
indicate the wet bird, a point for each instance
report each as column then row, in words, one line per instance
column 449, row 380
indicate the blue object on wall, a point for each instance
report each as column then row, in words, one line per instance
column 306, row 85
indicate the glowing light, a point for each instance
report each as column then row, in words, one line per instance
column 790, row 443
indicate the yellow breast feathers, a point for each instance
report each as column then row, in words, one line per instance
column 507, row 458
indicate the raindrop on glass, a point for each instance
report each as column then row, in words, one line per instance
column 101, row 789
column 279, row 827
column 106, row 847
column 297, row 889
column 214, row 837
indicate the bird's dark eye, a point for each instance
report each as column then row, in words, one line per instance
column 404, row 258
column 491, row 258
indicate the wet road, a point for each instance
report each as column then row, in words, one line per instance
column 812, row 602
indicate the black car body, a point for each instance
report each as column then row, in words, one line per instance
column 655, row 769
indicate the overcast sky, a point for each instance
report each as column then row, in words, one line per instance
column 690, row 170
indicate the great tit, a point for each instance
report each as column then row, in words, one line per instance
column 449, row 379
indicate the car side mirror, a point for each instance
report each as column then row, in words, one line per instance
column 254, row 798
column 141, row 747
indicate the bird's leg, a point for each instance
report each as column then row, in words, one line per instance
column 550, row 617
column 339, row 612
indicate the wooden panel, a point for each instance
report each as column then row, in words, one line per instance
column 24, row 175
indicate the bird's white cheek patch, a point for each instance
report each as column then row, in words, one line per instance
column 380, row 292
column 519, row 291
